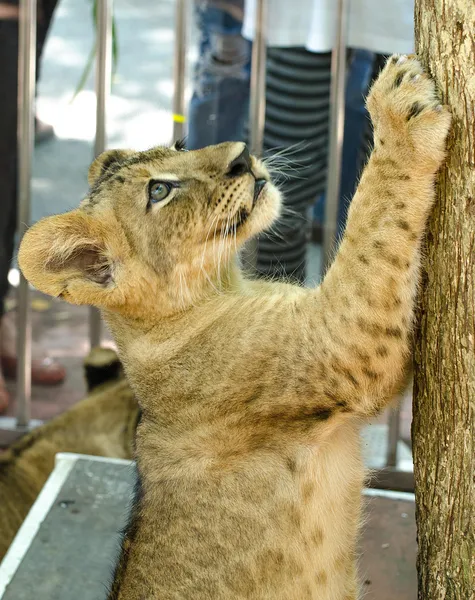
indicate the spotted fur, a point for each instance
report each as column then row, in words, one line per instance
column 253, row 393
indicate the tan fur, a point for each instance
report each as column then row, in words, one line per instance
column 253, row 393
column 103, row 424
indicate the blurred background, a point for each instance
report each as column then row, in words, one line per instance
column 140, row 115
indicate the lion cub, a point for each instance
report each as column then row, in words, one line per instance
column 253, row 393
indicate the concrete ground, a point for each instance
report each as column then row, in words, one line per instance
column 139, row 117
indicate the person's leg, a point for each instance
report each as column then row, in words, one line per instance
column 8, row 158
column 219, row 106
column 46, row 8
column 367, row 145
column 360, row 70
column 363, row 69
column 8, row 123
column 44, row 370
column 297, row 121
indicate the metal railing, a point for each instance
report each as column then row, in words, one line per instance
column 26, row 132
column 257, row 110
column 337, row 126
column 179, row 70
column 27, row 64
column 103, row 86
column 26, row 98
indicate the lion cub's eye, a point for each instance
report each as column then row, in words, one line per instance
column 159, row 190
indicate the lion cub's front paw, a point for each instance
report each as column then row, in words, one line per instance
column 405, row 108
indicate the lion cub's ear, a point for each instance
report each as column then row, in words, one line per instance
column 110, row 160
column 70, row 256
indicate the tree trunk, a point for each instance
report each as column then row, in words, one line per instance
column 444, row 386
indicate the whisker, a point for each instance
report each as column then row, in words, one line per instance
column 214, row 221
column 288, row 211
column 287, row 150
column 206, row 240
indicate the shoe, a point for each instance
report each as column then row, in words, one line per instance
column 43, row 132
column 44, row 370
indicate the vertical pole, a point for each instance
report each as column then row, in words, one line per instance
column 394, row 421
column 257, row 109
column 257, row 114
column 179, row 70
column 337, row 119
column 103, row 86
column 26, row 99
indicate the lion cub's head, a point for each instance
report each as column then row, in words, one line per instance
column 157, row 229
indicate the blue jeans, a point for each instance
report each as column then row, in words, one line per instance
column 354, row 143
column 220, row 101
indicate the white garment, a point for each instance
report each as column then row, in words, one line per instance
column 383, row 26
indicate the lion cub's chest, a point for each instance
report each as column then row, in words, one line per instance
column 328, row 483
column 280, row 526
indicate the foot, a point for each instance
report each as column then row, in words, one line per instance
column 406, row 112
column 44, row 370
column 43, row 131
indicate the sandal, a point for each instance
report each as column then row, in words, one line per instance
column 43, row 132
column 44, row 370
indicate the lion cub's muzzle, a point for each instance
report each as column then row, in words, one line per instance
column 242, row 165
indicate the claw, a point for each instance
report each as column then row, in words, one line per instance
column 402, row 59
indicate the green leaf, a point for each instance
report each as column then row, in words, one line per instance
column 85, row 73
column 92, row 54
column 115, row 46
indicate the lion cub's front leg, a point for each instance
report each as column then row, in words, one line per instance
column 367, row 296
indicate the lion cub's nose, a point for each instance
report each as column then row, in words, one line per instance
column 241, row 164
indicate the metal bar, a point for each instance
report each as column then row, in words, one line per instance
column 257, row 115
column 337, row 119
column 95, row 327
column 103, row 71
column 392, row 479
column 179, row 70
column 103, row 86
column 26, row 132
column 257, row 111
column 394, row 421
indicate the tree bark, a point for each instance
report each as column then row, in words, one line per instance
column 444, row 384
